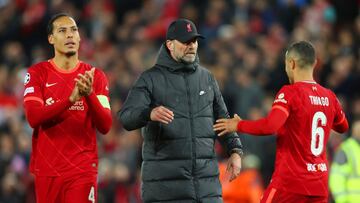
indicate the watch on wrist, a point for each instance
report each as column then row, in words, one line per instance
column 237, row 151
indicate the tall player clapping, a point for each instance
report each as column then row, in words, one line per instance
column 65, row 101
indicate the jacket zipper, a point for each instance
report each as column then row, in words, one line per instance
column 192, row 145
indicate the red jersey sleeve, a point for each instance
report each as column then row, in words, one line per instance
column 36, row 111
column 274, row 120
column 340, row 122
column 101, row 86
column 32, row 83
column 264, row 126
column 283, row 99
column 99, row 102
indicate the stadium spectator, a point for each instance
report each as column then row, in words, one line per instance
column 345, row 169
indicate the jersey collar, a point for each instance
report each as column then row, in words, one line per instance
column 51, row 61
column 308, row 81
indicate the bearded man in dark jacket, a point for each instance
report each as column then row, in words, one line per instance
column 177, row 102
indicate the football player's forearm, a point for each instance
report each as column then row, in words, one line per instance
column 37, row 114
column 265, row 126
column 101, row 115
column 342, row 126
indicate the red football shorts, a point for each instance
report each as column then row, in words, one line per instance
column 273, row 195
column 81, row 188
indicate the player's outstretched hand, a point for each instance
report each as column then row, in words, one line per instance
column 224, row 126
column 162, row 114
column 85, row 82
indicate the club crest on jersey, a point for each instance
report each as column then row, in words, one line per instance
column 27, row 78
column 281, row 98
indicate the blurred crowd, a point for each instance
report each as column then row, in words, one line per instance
column 244, row 49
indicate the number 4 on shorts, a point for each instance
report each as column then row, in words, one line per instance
column 92, row 195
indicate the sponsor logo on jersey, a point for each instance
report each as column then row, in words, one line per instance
column 27, row 78
column 50, row 84
column 77, row 106
column 49, row 101
column 316, row 167
column 281, row 98
column 28, row 90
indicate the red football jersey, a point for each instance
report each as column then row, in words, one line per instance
column 66, row 143
column 301, row 165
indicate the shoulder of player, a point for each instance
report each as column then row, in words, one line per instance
column 99, row 71
column 38, row 70
column 99, row 74
column 85, row 66
column 37, row 67
column 286, row 93
column 328, row 91
column 288, row 89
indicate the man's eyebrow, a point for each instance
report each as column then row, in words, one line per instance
column 63, row 27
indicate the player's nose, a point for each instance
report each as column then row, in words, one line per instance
column 69, row 34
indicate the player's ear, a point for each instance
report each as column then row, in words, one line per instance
column 292, row 64
column 315, row 62
column 51, row 39
column 170, row 45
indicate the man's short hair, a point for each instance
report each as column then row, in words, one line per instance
column 303, row 52
column 50, row 25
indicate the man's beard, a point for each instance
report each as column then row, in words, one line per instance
column 187, row 61
column 70, row 53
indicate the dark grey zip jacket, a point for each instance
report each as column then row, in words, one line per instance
column 179, row 161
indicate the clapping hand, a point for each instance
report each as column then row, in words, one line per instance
column 224, row 126
column 75, row 95
column 85, row 82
